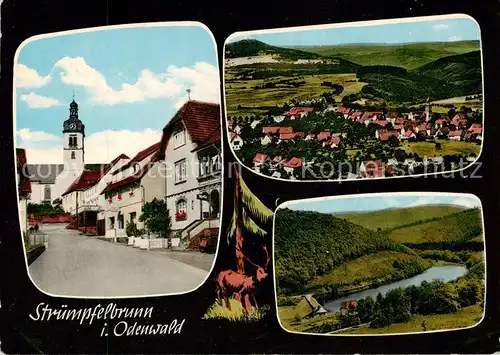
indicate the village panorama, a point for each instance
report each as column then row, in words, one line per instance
column 354, row 111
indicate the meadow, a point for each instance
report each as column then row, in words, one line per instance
column 257, row 101
column 409, row 56
column 394, row 217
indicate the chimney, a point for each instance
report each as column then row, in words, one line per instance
column 189, row 94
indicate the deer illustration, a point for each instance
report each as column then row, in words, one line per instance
column 242, row 286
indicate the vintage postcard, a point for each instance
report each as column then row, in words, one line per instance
column 119, row 159
column 374, row 264
column 350, row 101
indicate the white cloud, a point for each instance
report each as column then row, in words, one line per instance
column 202, row 79
column 100, row 147
column 454, row 38
column 440, row 26
column 38, row 101
column 466, row 202
column 421, row 201
column 28, row 135
column 28, row 78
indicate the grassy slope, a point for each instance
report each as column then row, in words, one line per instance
column 463, row 69
column 409, row 56
column 428, row 149
column 242, row 92
column 465, row 317
column 449, row 228
column 390, row 218
column 360, row 273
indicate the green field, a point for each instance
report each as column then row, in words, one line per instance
column 360, row 273
column 460, row 227
column 409, row 56
column 294, row 318
column 390, row 218
column 465, row 317
column 428, row 149
column 255, row 101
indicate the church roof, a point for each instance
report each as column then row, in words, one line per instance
column 87, row 178
column 202, row 121
column 44, row 173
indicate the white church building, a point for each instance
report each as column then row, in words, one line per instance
column 50, row 181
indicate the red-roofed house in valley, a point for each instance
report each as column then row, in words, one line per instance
column 323, row 136
column 285, row 130
column 23, row 187
column 287, row 136
column 382, row 123
column 476, row 128
column 399, row 120
column 298, row 112
column 259, row 160
column 356, row 115
column 408, row 135
column 235, row 140
column 440, row 122
column 371, row 169
column 455, row 135
column 334, row 142
column 292, row 164
column 271, row 130
column 344, row 110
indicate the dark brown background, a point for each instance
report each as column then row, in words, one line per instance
column 23, row 19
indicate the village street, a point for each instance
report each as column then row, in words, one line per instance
column 81, row 266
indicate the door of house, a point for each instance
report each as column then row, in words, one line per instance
column 101, row 227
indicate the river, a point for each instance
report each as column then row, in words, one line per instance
column 443, row 273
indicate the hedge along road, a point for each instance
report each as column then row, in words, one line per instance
column 80, row 266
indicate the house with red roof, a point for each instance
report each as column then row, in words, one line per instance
column 190, row 152
column 455, row 135
column 270, row 130
column 408, row 134
column 235, row 141
column 299, row 112
column 83, row 198
column 292, row 165
column 356, row 115
column 322, row 136
column 344, row 110
column 334, row 142
column 23, row 187
column 259, row 160
column 476, row 128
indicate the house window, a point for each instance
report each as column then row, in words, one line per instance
column 180, row 171
column 72, row 141
column 179, row 139
column 181, row 209
column 120, row 222
column 111, row 222
column 47, row 193
column 72, row 155
column 216, row 163
column 132, row 217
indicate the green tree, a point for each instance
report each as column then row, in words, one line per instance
column 156, row 217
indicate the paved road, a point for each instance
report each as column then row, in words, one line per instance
column 75, row 265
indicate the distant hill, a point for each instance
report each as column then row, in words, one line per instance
column 310, row 244
column 409, row 56
column 464, row 226
column 461, row 69
column 394, row 217
column 252, row 47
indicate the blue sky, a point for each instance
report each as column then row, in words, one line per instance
column 442, row 30
column 374, row 203
column 131, row 79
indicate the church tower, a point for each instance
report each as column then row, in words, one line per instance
column 73, row 138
